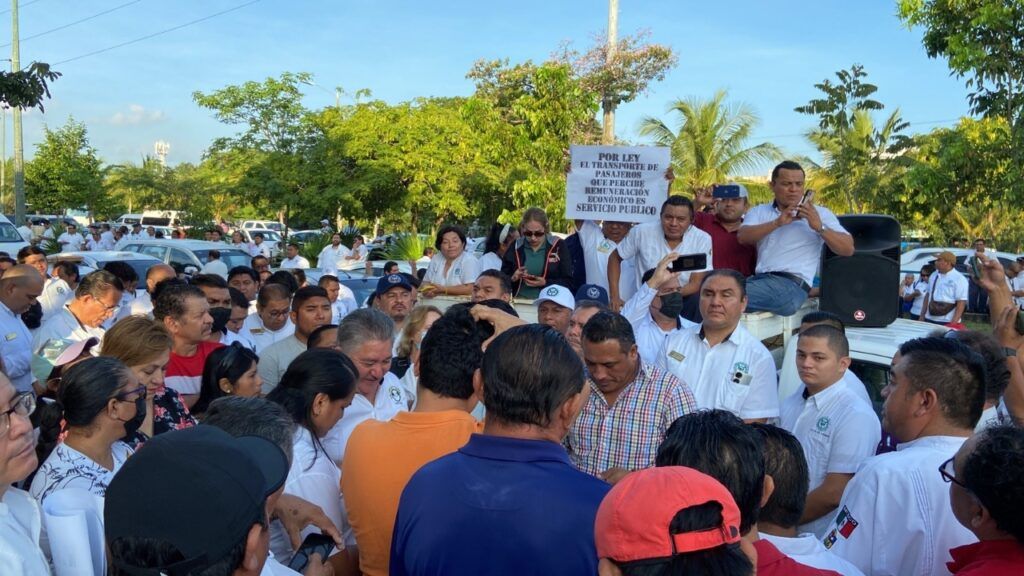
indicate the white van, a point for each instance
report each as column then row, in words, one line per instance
column 127, row 220
column 170, row 218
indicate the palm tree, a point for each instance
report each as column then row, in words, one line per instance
column 711, row 142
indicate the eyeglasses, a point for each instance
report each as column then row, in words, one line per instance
column 947, row 472
column 278, row 313
column 110, row 309
column 23, row 405
column 123, row 396
column 532, row 234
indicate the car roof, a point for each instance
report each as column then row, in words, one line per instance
column 881, row 341
column 104, row 255
column 186, row 244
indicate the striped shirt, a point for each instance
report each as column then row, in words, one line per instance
column 185, row 373
column 627, row 434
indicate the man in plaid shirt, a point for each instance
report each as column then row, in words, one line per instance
column 631, row 403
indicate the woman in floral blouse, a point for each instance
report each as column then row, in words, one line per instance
column 145, row 346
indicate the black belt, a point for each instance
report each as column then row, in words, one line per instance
column 796, row 279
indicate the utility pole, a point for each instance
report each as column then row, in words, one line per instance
column 607, row 104
column 19, row 154
column 3, row 156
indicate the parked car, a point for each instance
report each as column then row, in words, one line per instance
column 162, row 218
column 359, row 284
column 10, row 240
column 264, row 225
column 303, row 236
column 912, row 260
column 127, row 220
column 183, row 254
column 90, row 261
column 271, row 238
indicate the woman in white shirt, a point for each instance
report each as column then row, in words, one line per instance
column 498, row 241
column 452, row 270
column 315, row 390
column 100, row 401
column 419, row 321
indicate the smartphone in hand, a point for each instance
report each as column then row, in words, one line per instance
column 313, row 544
column 689, row 263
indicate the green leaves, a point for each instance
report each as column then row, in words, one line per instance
column 27, row 88
column 65, row 171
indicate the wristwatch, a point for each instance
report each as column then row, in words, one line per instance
column 1010, row 352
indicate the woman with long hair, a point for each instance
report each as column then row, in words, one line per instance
column 416, row 327
column 145, row 347
column 99, row 401
column 538, row 259
column 315, row 390
column 499, row 240
column 229, row 371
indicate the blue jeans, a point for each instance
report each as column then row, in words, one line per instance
column 775, row 294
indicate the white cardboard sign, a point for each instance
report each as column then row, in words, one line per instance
column 623, row 183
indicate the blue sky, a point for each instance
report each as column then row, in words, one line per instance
column 766, row 54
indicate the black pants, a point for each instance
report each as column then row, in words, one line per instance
column 977, row 298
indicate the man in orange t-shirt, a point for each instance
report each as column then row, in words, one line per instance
column 381, row 457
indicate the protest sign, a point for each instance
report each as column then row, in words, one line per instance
column 623, row 183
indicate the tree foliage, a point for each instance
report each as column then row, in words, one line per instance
column 65, row 172
column 982, row 41
column 710, row 144
column 27, row 88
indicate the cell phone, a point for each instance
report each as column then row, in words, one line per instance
column 976, row 268
column 1019, row 325
column 808, row 195
column 725, row 191
column 315, row 543
column 689, row 262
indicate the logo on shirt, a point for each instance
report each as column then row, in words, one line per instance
column 11, row 336
column 741, row 367
column 823, row 423
column 845, row 525
column 61, row 290
column 394, row 394
column 676, row 356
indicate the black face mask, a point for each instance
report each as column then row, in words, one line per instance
column 672, row 304
column 131, row 426
column 220, row 318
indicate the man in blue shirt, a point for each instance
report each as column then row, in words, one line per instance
column 509, row 501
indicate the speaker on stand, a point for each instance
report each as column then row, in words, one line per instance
column 863, row 289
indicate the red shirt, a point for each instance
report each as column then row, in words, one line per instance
column 990, row 557
column 728, row 252
column 771, row 562
column 185, row 373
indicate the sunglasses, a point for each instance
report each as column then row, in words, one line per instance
column 530, row 234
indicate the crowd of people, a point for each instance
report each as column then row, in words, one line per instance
column 259, row 423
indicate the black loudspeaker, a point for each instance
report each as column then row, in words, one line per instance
column 863, row 289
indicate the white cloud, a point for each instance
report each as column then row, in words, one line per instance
column 135, row 115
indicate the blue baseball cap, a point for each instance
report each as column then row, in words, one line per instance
column 592, row 292
column 392, row 281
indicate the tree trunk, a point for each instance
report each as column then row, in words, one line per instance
column 608, row 127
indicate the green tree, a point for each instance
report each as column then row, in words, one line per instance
column 65, row 172
column 27, row 88
column 960, row 185
column 618, row 74
column 528, row 115
column 711, row 142
column 863, row 161
column 982, row 41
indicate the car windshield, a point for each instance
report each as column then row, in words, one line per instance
column 8, row 233
column 269, row 235
column 230, row 257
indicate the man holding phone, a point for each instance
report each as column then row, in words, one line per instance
column 651, row 241
column 789, row 234
column 722, row 223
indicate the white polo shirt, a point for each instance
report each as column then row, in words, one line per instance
column 895, row 516
column 20, row 526
column 16, row 349
column 948, row 287
column 331, row 258
column 142, row 305
column 261, row 336
column 596, row 250
column 793, row 248
column 297, row 262
column 650, row 338
column 808, row 550
column 71, row 242
column 922, row 287
column 64, row 325
column 837, row 431
column 646, row 243
column 56, row 293
column 737, row 375
column 390, row 400
column 463, row 270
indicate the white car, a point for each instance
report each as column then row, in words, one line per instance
column 911, row 261
column 271, row 238
column 10, row 240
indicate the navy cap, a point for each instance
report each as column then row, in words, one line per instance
column 592, row 292
column 730, row 190
column 199, row 490
column 392, row 281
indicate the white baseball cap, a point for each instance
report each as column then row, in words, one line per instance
column 558, row 294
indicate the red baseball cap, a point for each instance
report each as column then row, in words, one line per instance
column 634, row 518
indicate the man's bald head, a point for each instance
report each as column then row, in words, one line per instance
column 19, row 288
column 158, row 273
